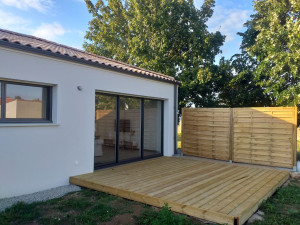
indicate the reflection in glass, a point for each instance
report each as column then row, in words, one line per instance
column 24, row 101
column 129, row 128
column 105, row 133
column 152, row 127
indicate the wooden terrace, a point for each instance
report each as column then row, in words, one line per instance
column 212, row 190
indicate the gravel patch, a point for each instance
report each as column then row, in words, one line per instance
column 38, row 196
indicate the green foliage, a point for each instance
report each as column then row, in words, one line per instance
column 163, row 216
column 240, row 88
column 99, row 212
column 84, row 207
column 20, row 213
column 273, row 38
column 266, row 73
column 171, row 37
column 168, row 36
column 78, row 204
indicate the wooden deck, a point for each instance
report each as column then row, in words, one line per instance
column 210, row 190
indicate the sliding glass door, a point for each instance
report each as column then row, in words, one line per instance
column 105, row 129
column 127, row 129
column 152, row 127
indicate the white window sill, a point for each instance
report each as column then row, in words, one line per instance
column 29, row 124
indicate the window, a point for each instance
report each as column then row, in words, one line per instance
column 24, row 102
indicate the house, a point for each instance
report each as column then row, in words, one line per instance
column 66, row 112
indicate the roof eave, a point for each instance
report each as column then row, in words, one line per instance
column 42, row 52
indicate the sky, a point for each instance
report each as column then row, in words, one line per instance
column 66, row 21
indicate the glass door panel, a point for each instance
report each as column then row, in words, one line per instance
column 129, row 128
column 152, row 127
column 105, row 129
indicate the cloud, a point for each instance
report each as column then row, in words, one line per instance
column 12, row 22
column 39, row 5
column 228, row 21
column 15, row 23
column 49, row 31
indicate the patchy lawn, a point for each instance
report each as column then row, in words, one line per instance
column 283, row 207
column 91, row 207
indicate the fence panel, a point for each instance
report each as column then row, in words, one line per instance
column 206, row 132
column 265, row 136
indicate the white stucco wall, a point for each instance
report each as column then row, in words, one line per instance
column 35, row 157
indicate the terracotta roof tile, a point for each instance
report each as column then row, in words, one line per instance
column 8, row 100
column 45, row 45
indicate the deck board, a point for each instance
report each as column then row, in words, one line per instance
column 211, row 190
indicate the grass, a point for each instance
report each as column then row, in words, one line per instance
column 163, row 216
column 283, row 207
column 84, row 207
column 20, row 213
column 91, row 207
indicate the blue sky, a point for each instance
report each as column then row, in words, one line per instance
column 66, row 21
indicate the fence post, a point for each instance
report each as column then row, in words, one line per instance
column 182, row 132
column 295, row 137
column 231, row 135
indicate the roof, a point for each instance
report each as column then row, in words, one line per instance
column 8, row 100
column 44, row 47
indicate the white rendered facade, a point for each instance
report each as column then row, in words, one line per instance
column 35, row 157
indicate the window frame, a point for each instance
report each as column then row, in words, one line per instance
column 48, row 118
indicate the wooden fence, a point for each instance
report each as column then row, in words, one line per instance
column 264, row 136
column 206, row 132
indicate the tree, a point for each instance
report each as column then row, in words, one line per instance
column 276, row 48
column 240, row 88
column 166, row 36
